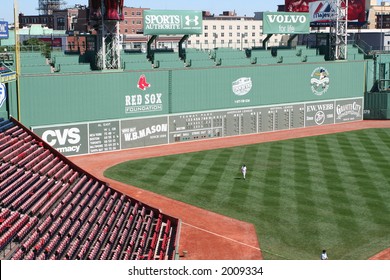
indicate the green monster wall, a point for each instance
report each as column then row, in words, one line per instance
column 198, row 90
column 59, row 99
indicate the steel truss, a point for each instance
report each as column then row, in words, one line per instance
column 339, row 29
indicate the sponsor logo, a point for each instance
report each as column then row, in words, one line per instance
column 323, row 11
column 352, row 109
column 69, row 138
column 195, row 20
column 142, row 84
column 170, row 21
column 3, row 95
column 149, row 102
column 162, row 19
column 283, row 18
column 131, row 134
column 319, row 117
column 319, row 107
column 319, row 81
column 242, row 86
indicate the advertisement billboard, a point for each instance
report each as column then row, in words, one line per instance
column 321, row 11
column 4, row 34
column 286, row 23
column 168, row 22
column 297, row 5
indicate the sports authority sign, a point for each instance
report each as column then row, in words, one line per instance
column 167, row 22
column 286, row 23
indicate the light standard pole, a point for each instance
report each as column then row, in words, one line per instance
column 243, row 35
column 215, row 35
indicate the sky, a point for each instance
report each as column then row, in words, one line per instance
column 248, row 7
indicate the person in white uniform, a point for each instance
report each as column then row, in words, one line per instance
column 243, row 171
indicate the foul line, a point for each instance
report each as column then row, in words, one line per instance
column 222, row 236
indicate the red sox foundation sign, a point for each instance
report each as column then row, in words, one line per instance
column 148, row 102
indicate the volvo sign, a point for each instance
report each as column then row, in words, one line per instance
column 286, row 23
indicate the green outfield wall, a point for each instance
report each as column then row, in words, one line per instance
column 106, row 111
column 196, row 90
column 111, row 135
column 58, row 99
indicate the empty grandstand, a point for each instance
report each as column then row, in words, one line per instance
column 51, row 209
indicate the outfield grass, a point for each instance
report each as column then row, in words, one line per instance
column 303, row 195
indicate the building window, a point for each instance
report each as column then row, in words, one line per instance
column 238, row 34
column 246, row 27
column 253, row 34
column 223, row 27
column 189, row 42
column 230, row 27
column 206, row 27
column 222, row 34
column 253, row 27
column 230, row 34
column 214, row 27
column 238, row 27
column 206, row 41
column 206, row 34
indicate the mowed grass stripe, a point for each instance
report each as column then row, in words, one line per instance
column 302, row 195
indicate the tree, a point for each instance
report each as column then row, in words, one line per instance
column 35, row 43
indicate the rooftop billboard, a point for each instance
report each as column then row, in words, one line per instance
column 286, row 23
column 168, row 22
column 320, row 11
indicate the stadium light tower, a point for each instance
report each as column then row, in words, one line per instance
column 106, row 15
column 339, row 29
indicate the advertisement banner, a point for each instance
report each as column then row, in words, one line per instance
column 4, row 34
column 168, row 22
column 286, row 23
column 320, row 11
column 67, row 139
column 319, row 113
column 144, row 132
column 349, row 110
column 301, row 6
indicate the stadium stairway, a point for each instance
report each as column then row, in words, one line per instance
column 52, row 209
